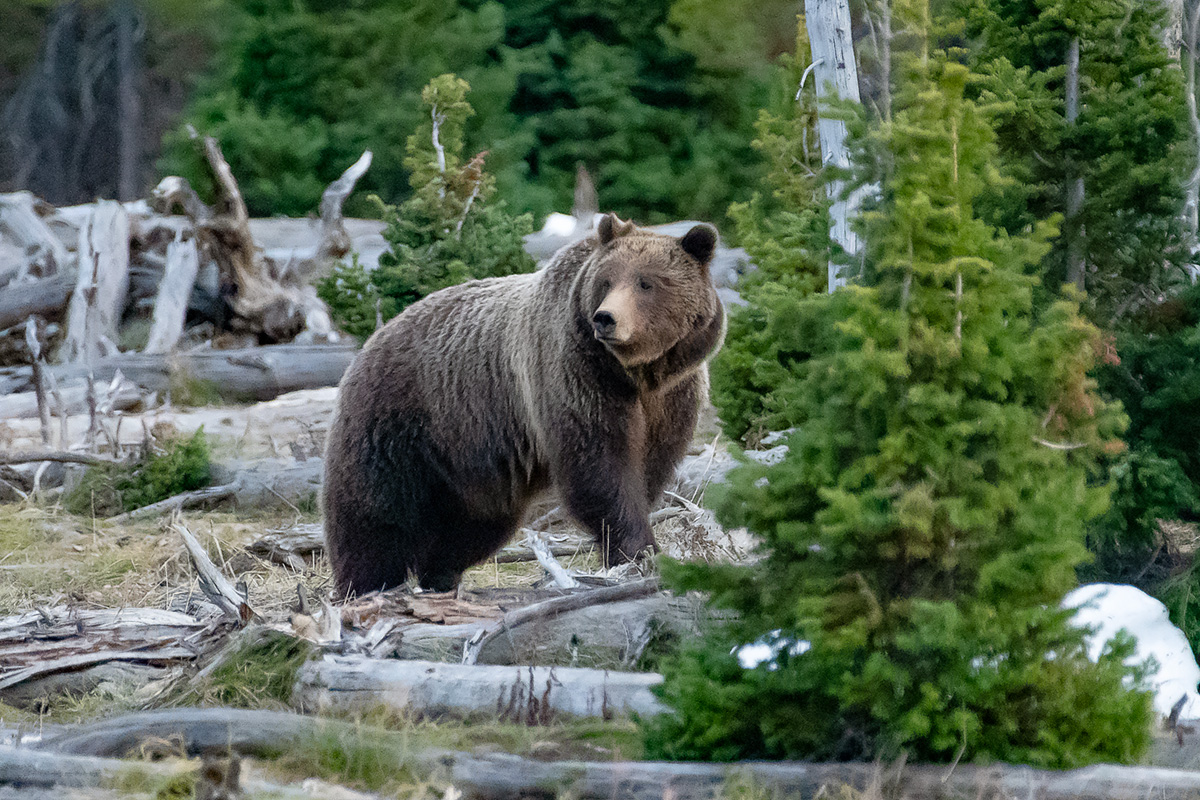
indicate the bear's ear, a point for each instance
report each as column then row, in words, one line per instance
column 611, row 227
column 700, row 242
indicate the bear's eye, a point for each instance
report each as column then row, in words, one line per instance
column 645, row 285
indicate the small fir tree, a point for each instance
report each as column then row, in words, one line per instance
column 786, row 233
column 450, row 230
column 929, row 515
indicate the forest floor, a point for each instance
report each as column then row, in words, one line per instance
column 49, row 558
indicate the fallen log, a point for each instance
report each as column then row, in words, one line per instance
column 56, row 640
column 195, row 730
column 26, row 405
column 258, row 373
column 21, row 223
column 59, row 456
column 24, row 767
column 558, row 605
column 46, row 298
column 213, row 583
column 74, row 755
column 195, row 499
column 531, row 695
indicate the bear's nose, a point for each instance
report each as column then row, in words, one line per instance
column 604, row 323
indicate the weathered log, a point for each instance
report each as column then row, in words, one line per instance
column 46, row 298
column 101, row 287
column 259, row 373
column 25, row 767
column 194, row 730
column 170, row 307
column 533, row 695
column 506, row 777
column 46, row 642
column 20, row 222
column 194, row 499
column 72, row 757
column 64, row 457
column 26, row 405
column 556, row 606
column 601, row 635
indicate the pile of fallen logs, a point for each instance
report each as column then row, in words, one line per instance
column 139, row 290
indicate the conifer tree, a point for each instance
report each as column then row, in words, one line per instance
column 1130, row 143
column 450, row 230
column 929, row 516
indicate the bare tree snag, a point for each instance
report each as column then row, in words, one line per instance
column 21, row 223
column 39, row 379
column 170, row 308
column 334, row 242
column 829, row 34
column 1075, row 189
column 103, row 281
column 1190, row 19
column 533, row 695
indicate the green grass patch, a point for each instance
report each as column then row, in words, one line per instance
column 258, row 674
column 180, row 466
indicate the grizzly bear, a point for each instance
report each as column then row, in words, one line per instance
column 585, row 377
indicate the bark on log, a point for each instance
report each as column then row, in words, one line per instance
column 170, row 307
column 532, row 695
column 101, row 287
column 46, row 298
column 259, row 373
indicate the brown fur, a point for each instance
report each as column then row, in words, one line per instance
column 461, row 410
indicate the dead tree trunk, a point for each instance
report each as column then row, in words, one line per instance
column 1190, row 17
column 828, row 23
column 45, row 298
column 102, row 285
column 1075, row 191
column 170, row 308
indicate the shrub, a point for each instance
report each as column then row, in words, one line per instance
column 182, row 465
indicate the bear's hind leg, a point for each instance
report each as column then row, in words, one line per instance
column 465, row 543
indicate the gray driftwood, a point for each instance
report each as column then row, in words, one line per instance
column 170, row 306
column 20, row 222
column 46, row 298
column 71, row 759
column 46, row 642
column 101, row 286
column 534, row 695
column 259, row 373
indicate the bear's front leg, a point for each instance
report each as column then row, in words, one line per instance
column 605, row 492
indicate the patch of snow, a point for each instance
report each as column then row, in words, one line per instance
column 770, row 457
column 1108, row 607
column 768, row 648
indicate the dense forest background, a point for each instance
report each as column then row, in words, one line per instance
column 657, row 99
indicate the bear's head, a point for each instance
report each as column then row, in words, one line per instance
column 643, row 292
